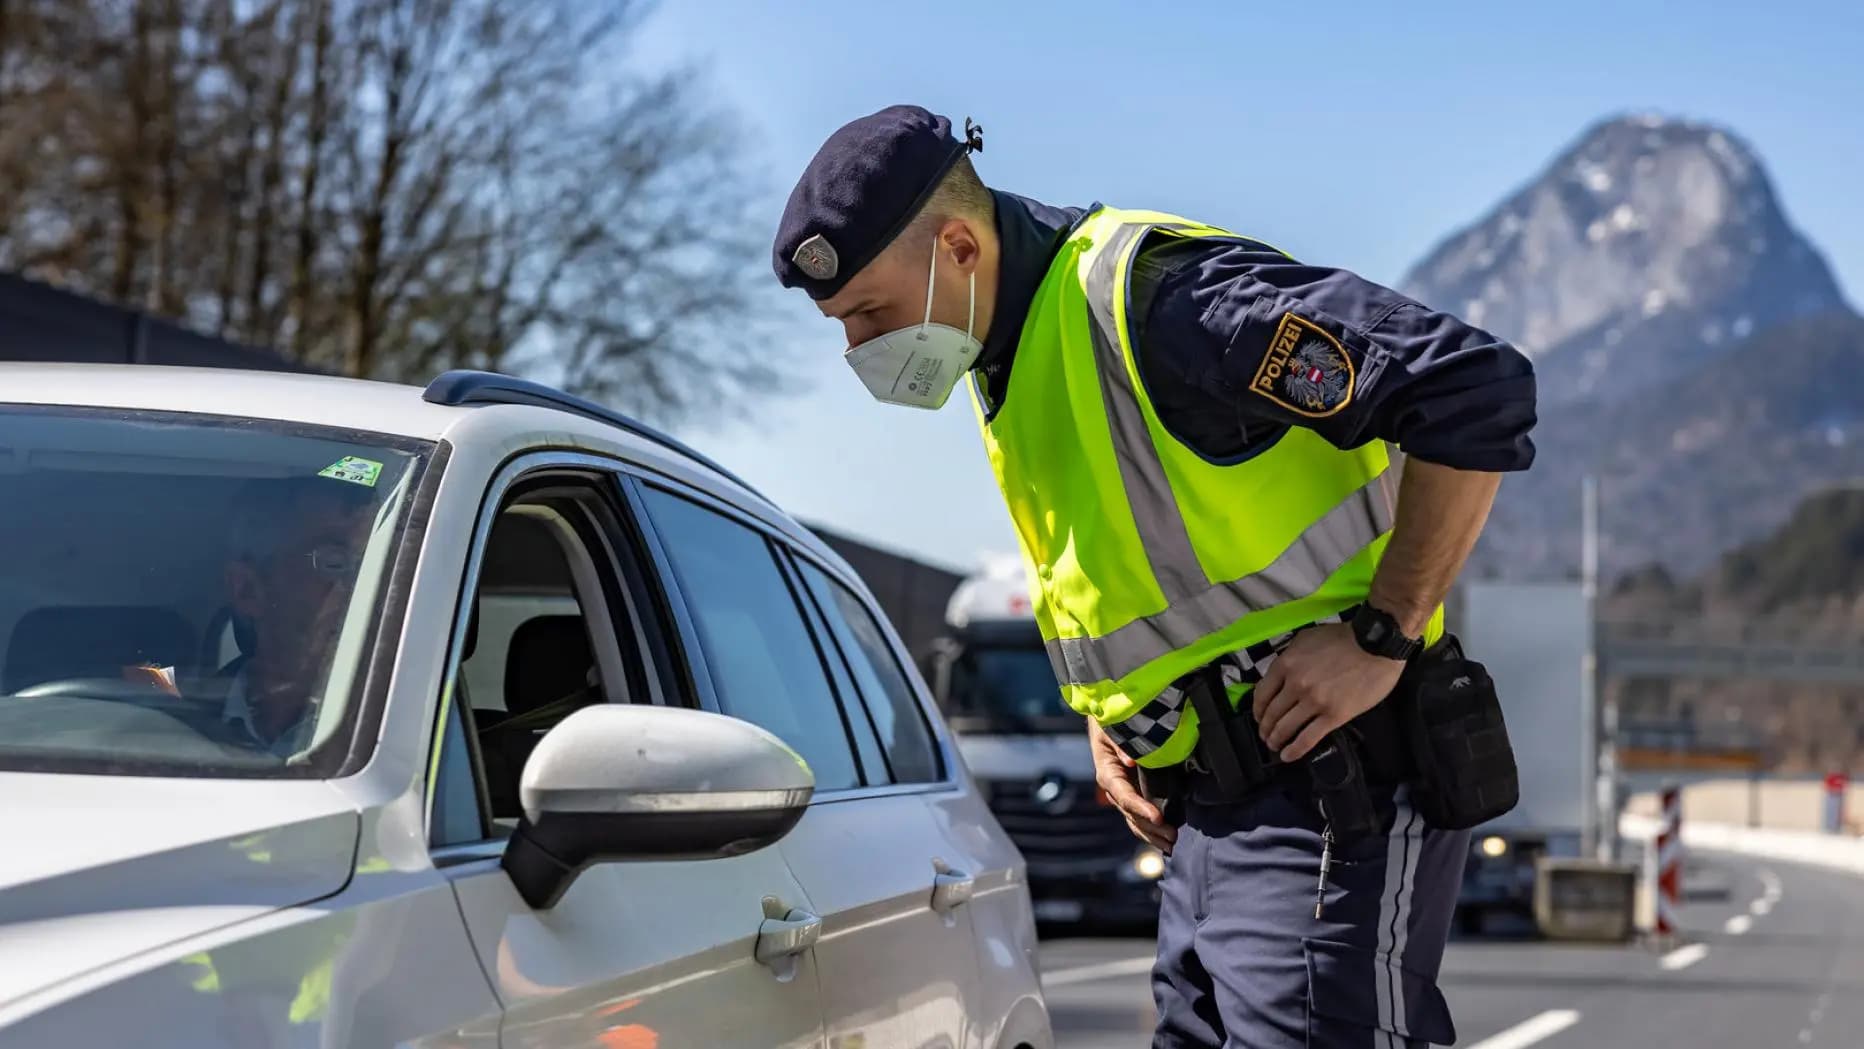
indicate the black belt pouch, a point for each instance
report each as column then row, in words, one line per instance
column 1453, row 726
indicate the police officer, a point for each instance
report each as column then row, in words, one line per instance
column 1190, row 429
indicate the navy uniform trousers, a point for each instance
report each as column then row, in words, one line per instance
column 1242, row 960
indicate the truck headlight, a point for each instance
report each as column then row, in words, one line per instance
column 1149, row 864
column 1494, row 846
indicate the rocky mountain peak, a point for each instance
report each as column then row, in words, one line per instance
column 1649, row 245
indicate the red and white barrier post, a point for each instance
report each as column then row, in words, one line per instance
column 1669, row 860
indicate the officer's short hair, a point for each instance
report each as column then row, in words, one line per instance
column 267, row 511
column 960, row 195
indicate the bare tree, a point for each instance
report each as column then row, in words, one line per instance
column 388, row 187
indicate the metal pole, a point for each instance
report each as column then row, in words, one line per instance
column 1588, row 697
column 1753, row 797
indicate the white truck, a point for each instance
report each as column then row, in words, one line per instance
column 1028, row 754
column 1532, row 638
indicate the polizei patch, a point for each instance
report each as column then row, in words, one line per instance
column 1306, row 370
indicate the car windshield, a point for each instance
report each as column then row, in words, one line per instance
column 189, row 595
column 1007, row 688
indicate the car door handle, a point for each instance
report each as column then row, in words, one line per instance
column 780, row 940
column 951, row 889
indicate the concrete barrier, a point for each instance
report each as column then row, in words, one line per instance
column 1583, row 899
column 1783, row 803
column 1833, row 851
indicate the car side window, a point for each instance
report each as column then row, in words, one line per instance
column 886, row 692
column 457, row 815
column 764, row 663
column 552, row 627
column 873, row 760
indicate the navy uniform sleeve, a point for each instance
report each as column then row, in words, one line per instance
column 1240, row 342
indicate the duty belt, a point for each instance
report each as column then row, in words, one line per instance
column 1230, row 750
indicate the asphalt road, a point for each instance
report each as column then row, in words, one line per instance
column 1779, row 961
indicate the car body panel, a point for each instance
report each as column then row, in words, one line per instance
column 1009, row 1003
column 376, row 965
column 327, row 400
column 246, row 849
column 868, row 866
column 643, row 951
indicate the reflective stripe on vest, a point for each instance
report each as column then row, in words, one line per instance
column 1145, row 559
column 1299, row 571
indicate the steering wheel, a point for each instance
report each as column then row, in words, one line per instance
column 114, row 689
column 197, row 716
column 191, row 711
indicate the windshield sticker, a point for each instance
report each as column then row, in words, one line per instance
column 364, row 472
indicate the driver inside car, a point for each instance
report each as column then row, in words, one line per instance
column 292, row 556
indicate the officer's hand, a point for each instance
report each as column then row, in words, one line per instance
column 1322, row 680
column 1115, row 773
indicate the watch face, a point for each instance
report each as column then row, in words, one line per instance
column 1375, row 632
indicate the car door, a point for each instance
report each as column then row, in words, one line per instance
column 895, row 953
column 634, row 955
column 936, row 944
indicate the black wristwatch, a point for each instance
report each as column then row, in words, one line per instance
column 1378, row 633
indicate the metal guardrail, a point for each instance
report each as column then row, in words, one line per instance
column 1659, row 650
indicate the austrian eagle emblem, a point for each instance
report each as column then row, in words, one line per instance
column 1305, row 370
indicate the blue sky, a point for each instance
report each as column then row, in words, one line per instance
column 1352, row 134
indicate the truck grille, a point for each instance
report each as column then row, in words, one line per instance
column 1081, row 829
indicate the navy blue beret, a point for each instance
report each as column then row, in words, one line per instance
column 861, row 189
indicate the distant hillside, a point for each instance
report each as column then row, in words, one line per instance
column 1805, row 577
column 1709, row 459
column 1806, row 581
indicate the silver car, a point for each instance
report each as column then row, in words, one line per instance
column 337, row 713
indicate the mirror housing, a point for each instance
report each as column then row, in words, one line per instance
column 617, row 782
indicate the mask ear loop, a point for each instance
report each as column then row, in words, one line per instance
column 931, row 275
column 970, row 317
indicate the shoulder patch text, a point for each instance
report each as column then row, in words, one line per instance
column 1306, row 370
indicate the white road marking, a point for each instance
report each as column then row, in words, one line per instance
column 1739, row 924
column 1761, row 907
column 1805, row 1036
column 1684, row 957
column 1102, row 971
column 1772, row 889
column 1531, row 1030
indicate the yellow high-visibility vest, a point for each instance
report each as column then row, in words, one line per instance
column 1145, row 559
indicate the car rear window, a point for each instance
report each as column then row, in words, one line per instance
column 190, row 595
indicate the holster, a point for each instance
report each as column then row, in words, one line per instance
column 1457, row 738
column 1231, row 752
column 1229, row 748
column 1166, row 788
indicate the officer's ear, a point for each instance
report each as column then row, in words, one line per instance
column 961, row 243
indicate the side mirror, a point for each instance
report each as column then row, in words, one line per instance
column 616, row 783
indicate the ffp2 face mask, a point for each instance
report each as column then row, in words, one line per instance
column 918, row 366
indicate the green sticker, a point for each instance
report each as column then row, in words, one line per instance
column 356, row 471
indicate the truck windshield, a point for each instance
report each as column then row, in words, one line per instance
column 189, row 595
column 1007, row 688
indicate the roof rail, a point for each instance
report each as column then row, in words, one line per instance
column 464, row 387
